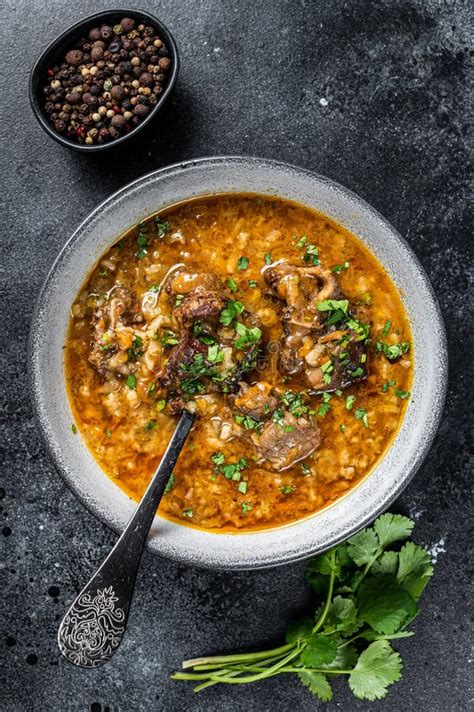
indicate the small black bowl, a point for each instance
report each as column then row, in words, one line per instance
column 56, row 50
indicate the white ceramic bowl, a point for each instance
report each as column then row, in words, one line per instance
column 202, row 177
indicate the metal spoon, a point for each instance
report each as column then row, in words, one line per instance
column 93, row 628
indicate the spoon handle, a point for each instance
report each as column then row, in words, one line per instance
column 94, row 625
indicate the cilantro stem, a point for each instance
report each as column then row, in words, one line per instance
column 239, row 657
column 327, row 604
column 259, row 676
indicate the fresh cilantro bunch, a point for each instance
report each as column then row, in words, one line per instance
column 368, row 588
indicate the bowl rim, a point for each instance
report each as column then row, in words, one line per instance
column 200, row 559
column 54, row 47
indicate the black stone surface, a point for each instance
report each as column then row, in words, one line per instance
column 372, row 94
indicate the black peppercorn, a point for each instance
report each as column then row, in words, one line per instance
column 74, row 57
column 106, row 32
column 127, row 24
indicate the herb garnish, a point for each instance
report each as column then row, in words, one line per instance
column 402, row 394
column 287, row 489
column 135, row 351
column 242, row 262
column 230, row 311
column 169, row 338
column 162, row 226
column 170, row 484
column 268, row 258
column 340, row 268
column 232, row 284
column 132, row 382
column 361, row 414
column 142, row 244
column 368, row 595
column 392, row 351
column 247, row 336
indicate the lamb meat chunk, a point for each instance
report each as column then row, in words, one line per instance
column 202, row 298
column 336, row 363
column 112, row 333
column 284, row 443
column 256, row 400
column 180, row 361
column 301, row 288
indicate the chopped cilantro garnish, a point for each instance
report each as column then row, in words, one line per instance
column 386, row 328
column 311, row 255
column 170, row 484
column 215, row 354
column 247, row 336
column 160, row 405
column 73, row 429
column 132, row 382
column 350, row 400
column 287, row 489
column 248, row 422
column 178, row 299
column 162, row 226
column 268, row 258
column 242, row 262
column 246, row 507
column 218, row 458
column 232, row 284
column 392, row 351
column 150, row 425
column 230, row 311
column 279, row 417
column 402, row 394
column 142, row 244
column 188, row 513
column 252, row 283
column 169, row 338
column 361, row 414
column 305, row 469
column 388, row 385
column 340, row 268
column 242, row 487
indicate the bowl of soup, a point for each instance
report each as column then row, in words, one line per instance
column 284, row 312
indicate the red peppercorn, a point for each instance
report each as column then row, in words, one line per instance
column 50, row 73
column 81, row 131
column 116, row 109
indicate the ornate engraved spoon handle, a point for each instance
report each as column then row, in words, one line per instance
column 93, row 627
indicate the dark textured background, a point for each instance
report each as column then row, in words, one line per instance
column 372, row 94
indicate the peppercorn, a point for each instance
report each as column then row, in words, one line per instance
column 127, row 24
column 164, row 63
column 74, row 57
column 97, row 53
column 140, row 111
column 94, row 34
column 106, row 32
column 74, row 97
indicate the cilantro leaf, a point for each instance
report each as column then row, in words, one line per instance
column 377, row 667
column 317, row 683
column 342, row 615
column 299, row 630
column 384, row 604
column 392, row 527
column 363, row 546
column 386, row 564
column 319, row 650
column 230, row 311
column 414, row 569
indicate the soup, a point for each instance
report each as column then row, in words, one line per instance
column 273, row 324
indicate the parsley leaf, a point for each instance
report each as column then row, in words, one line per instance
column 242, row 262
column 170, row 484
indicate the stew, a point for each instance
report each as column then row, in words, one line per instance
column 270, row 321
